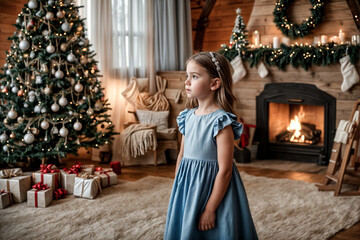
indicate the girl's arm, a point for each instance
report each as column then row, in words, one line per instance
column 225, row 149
column 180, row 155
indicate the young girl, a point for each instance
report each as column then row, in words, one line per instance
column 208, row 200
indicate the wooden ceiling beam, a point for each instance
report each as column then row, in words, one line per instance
column 354, row 6
column 202, row 24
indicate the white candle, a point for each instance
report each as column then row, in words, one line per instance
column 285, row 40
column 316, row 40
column 276, row 42
column 256, row 38
column 358, row 39
column 324, row 39
column 341, row 36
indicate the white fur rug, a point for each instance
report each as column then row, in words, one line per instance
column 281, row 209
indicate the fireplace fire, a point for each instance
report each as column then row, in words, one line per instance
column 295, row 122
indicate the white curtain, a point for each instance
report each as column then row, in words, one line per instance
column 119, row 34
column 173, row 34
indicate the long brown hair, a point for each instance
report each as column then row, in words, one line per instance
column 224, row 96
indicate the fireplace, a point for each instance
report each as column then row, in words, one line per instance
column 295, row 122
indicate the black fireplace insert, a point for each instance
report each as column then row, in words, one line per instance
column 295, row 121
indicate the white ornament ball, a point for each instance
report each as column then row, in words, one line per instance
column 4, row 137
column 59, row 74
column 17, row 21
column 50, row 2
column 60, row 14
column 15, row 89
column 32, row 94
column 29, row 138
column 47, row 90
column 55, row 107
column 12, row 114
column 8, row 72
column 96, row 89
column 81, row 43
column 77, row 126
column 5, row 148
column 49, row 16
column 63, row 101
column 44, row 124
column 38, row 79
column 26, row 105
column 78, row 87
column 66, row 27
column 33, row 4
column 31, row 99
column 84, row 97
column 50, row 48
column 83, row 60
column 98, row 106
column 20, row 120
column 43, row 110
column 37, row 109
column 63, row 131
column 5, row 65
column 63, row 47
column 24, row 45
column 71, row 57
column 32, row 55
column 90, row 111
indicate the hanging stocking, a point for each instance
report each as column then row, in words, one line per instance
column 349, row 73
column 262, row 70
column 239, row 69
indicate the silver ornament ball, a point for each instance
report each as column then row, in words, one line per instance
column 3, row 137
column 20, row 120
column 63, row 47
column 44, row 125
column 33, row 4
column 5, row 148
column 12, row 114
column 32, row 55
column 63, row 131
column 47, row 90
column 59, row 74
column 29, row 138
column 66, row 27
column 78, row 87
column 71, row 57
column 49, row 16
column 90, row 111
column 37, row 109
column 15, row 89
column 43, row 110
column 24, row 45
column 77, row 126
column 50, row 48
column 55, row 107
column 63, row 101
column 60, row 14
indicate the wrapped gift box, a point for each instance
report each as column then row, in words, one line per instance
column 116, row 167
column 89, row 169
column 52, row 180
column 18, row 186
column 67, row 181
column 39, row 198
column 5, row 199
column 12, row 172
column 87, row 186
column 108, row 178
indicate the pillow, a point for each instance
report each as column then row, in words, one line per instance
column 167, row 134
column 159, row 118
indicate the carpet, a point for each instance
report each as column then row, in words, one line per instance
column 281, row 209
column 286, row 166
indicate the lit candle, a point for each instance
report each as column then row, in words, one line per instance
column 341, row 36
column 316, row 40
column 335, row 39
column 276, row 42
column 353, row 40
column 256, row 38
column 324, row 39
column 358, row 39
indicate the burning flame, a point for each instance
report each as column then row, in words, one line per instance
column 295, row 125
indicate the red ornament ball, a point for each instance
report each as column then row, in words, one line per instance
column 20, row 93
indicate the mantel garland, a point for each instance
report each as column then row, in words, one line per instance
column 296, row 55
column 293, row 30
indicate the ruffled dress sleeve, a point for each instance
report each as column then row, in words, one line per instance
column 181, row 121
column 227, row 119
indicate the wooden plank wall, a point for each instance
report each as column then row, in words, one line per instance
column 258, row 16
column 9, row 11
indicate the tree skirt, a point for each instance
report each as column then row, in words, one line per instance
column 281, row 209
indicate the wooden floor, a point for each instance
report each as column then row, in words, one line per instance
column 137, row 172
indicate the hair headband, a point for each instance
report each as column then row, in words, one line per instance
column 216, row 62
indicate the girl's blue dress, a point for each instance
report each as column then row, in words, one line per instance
column 195, row 179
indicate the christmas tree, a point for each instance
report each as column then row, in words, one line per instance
column 238, row 40
column 51, row 98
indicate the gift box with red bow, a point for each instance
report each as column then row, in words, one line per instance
column 5, row 199
column 39, row 196
column 68, row 180
column 11, row 180
column 107, row 177
column 89, row 169
column 49, row 175
column 87, row 186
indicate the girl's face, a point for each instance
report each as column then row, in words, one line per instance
column 198, row 83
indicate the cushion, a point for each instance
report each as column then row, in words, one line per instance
column 166, row 134
column 159, row 118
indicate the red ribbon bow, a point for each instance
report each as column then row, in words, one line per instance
column 59, row 193
column 76, row 168
column 40, row 186
column 47, row 168
column 108, row 177
column 2, row 191
column 98, row 169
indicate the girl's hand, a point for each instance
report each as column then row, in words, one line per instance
column 207, row 220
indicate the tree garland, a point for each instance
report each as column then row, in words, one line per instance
column 296, row 55
column 294, row 30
